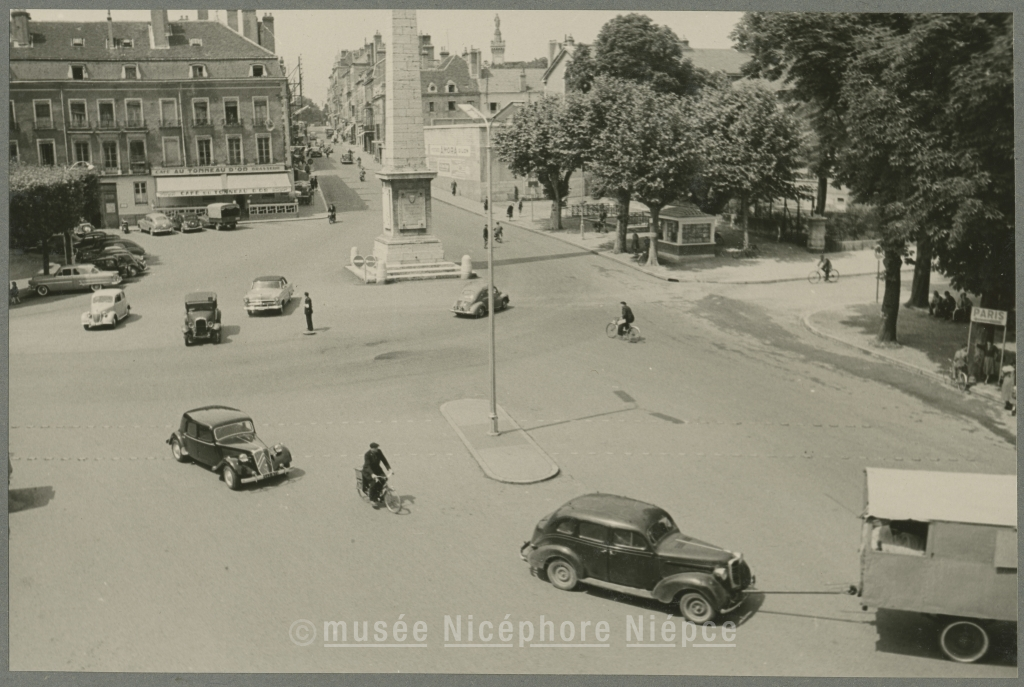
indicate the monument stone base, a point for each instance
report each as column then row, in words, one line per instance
column 405, row 251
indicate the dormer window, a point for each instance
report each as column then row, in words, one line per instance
column 124, row 42
column 197, row 71
column 195, row 42
column 78, row 42
column 257, row 70
column 451, row 87
column 77, row 72
column 130, row 72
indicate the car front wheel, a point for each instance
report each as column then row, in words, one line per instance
column 696, row 608
column 231, row 478
column 42, row 290
column 177, row 452
column 562, row 574
column 481, row 312
column 96, row 287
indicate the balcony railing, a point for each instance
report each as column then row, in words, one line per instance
column 138, row 167
column 232, row 121
column 77, row 123
column 170, row 123
column 201, row 121
column 108, row 123
column 261, row 122
column 44, row 123
column 135, row 123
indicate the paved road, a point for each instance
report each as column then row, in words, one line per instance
column 122, row 559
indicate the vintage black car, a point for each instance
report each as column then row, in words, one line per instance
column 120, row 261
column 202, row 318
column 472, row 301
column 635, row 548
column 224, row 439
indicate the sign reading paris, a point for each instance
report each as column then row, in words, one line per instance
column 988, row 316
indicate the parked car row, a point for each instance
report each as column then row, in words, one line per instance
column 218, row 216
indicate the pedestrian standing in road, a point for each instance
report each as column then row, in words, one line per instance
column 307, row 307
column 509, row 211
column 455, row 187
column 498, row 230
column 520, row 207
column 485, row 236
column 306, row 170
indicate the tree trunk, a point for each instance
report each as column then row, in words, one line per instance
column 743, row 218
column 891, row 300
column 922, row 273
column 623, row 220
column 819, row 208
column 556, row 205
column 652, row 254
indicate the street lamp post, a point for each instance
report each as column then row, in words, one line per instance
column 476, row 114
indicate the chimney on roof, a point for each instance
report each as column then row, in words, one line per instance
column 110, row 32
column 249, row 25
column 426, row 52
column 19, row 27
column 203, row 15
column 443, row 55
column 232, row 16
column 267, row 33
column 552, row 50
column 474, row 63
column 161, row 28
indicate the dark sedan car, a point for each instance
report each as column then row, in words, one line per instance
column 224, row 440
column 635, row 548
column 120, row 261
column 472, row 301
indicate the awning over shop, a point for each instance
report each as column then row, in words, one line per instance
column 222, row 184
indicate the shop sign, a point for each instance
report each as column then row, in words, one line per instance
column 218, row 169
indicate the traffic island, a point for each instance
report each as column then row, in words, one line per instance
column 512, row 456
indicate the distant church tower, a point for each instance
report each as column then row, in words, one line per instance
column 497, row 45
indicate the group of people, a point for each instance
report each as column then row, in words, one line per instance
column 983, row 366
column 509, row 211
column 498, row 231
column 948, row 308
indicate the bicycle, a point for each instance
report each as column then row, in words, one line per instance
column 957, row 377
column 391, row 500
column 817, row 275
column 632, row 335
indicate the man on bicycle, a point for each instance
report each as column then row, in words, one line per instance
column 825, row 265
column 374, row 476
column 960, row 362
column 626, row 320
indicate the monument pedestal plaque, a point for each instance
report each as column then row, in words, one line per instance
column 406, row 241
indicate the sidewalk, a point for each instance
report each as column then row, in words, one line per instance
column 781, row 262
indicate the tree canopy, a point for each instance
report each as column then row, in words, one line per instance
column 634, row 48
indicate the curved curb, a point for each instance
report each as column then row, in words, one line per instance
column 552, row 470
column 934, row 376
column 638, row 268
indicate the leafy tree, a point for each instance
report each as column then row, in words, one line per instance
column 749, row 144
column 634, row 48
column 310, row 111
column 541, row 139
column 930, row 124
column 654, row 159
column 47, row 201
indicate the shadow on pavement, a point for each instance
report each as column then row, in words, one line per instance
column 482, row 264
column 26, row 499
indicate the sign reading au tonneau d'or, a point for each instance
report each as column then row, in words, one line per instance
column 218, row 169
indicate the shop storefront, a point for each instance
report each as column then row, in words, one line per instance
column 257, row 189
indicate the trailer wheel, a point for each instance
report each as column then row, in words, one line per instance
column 964, row 641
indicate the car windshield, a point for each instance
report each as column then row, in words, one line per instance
column 102, row 299
column 201, row 305
column 661, row 528
column 469, row 293
column 267, row 284
column 235, row 429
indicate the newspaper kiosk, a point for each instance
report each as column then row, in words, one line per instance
column 942, row 544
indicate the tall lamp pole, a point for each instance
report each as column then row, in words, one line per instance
column 476, row 114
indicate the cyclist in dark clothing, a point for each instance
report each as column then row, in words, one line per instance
column 374, row 476
column 626, row 320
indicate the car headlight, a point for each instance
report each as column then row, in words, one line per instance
column 722, row 574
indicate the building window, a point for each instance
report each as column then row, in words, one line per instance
column 493, row 106
column 106, row 110
column 47, row 153
column 14, row 152
column 197, row 71
column 204, row 152
column 451, row 106
column 141, row 196
column 130, row 71
column 231, row 112
column 124, row 42
column 451, row 88
column 169, row 112
column 110, row 161
column 259, row 111
column 42, row 112
column 77, row 72
column 200, row 112
column 82, row 151
column 133, row 113
column 263, row 150
column 78, row 42
column 172, row 153
column 137, row 162
column 234, row 150
column 430, row 107
column 256, row 70
column 195, row 42
column 79, row 118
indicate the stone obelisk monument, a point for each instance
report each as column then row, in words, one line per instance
column 406, row 246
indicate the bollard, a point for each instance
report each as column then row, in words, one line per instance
column 467, row 267
column 352, row 255
column 382, row 272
